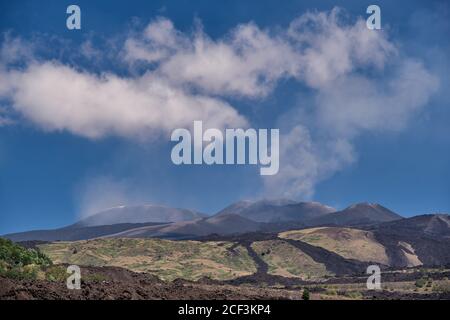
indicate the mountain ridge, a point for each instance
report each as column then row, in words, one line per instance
column 358, row 214
column 276, row 216
column 277, row 210
column 139, row 214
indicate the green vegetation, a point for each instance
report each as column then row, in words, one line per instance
column 305, row 294
column 420, row 283
column 19, row 262
column 16, row 255
column 354, row 295
column 331, row 292
column 347, row 242
column 286, row 260
column 164, row 258
column 442, row 286
column 56, row 273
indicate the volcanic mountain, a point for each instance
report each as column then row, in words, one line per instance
column 357, row 214
column 224, row 225
column 140, row 214
column 434, row 225
column 280, row 210
column 110, row 221
column 426, row 236
column 267, row 216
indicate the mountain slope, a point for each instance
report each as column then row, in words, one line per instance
column 277, row 210
column 167, row 259
column 349, row 243
column 240, row 254
column 357, row 214
column 426, row 237
column 73, row 232
column 224, row 224
column 110, row 221
column 140, row 214
column 428, row 224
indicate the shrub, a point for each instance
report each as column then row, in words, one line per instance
column 20, row 263
column 3, row 266
column 56, row 273
column 305, row 295
column 420, row 283
column 27, row 272
column 442, row 287
column 354, row 294
column 16, row 255
column 331, row 292
column 96, row 277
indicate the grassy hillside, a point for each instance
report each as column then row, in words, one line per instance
column 166, row 259
column 307, row 254
column 286, row 260
column 347, row 242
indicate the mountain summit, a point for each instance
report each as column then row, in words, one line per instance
column 358, row 214
column 139, row 214
column 278, row 210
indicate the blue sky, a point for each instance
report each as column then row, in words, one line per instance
column 390, row 146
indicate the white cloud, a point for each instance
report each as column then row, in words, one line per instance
column 58, row 97
column 158, row 40
column 247, row 62
column 332, row 48
column 315, row 49
column 351, row 105
column 355, row 102
column 305, row 162
column 359, row 78
column 14, row 50
column 348, row 99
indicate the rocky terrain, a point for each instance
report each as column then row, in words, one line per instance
column 113, row 283
column 110, row 283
